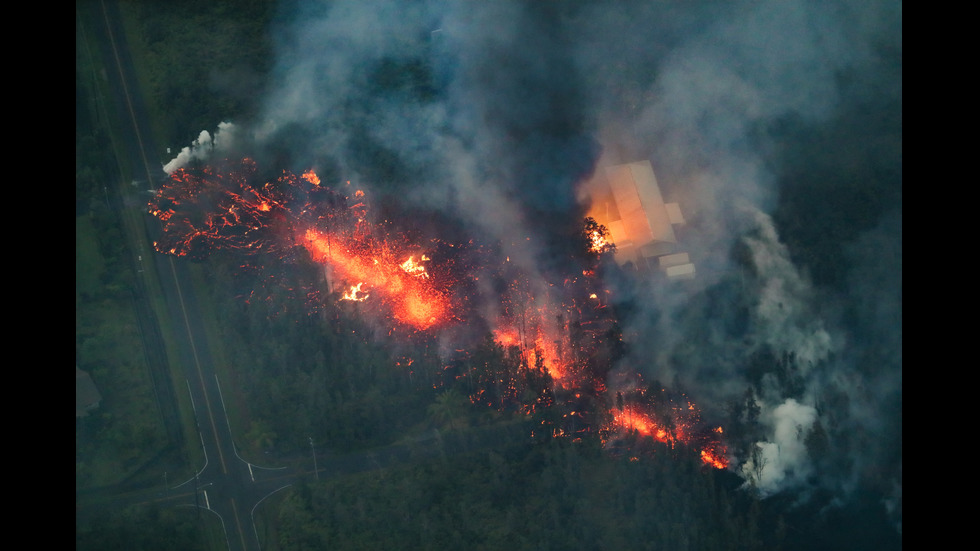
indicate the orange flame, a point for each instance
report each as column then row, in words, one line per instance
column 598, row 242
column 356, row 293
column 538, row 342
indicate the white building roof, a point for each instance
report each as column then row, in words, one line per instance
column 680, row 271
column 626, row 199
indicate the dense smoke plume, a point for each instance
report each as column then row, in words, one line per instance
column 493, row 112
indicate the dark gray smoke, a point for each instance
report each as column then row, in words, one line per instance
column 492, row 112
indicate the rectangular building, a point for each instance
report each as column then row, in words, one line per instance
column 626, row 200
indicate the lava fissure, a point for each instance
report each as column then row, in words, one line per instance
column 558, row 339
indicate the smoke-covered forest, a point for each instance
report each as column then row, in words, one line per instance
column 772, row 379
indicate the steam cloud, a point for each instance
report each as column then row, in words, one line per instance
column 784, row 460
column 492, row 112
column 203, row 147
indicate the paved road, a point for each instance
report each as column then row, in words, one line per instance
column 225, row 485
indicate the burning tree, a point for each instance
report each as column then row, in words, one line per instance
column 597, row 237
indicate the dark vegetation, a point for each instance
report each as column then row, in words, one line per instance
column 311, row 370
column 147, row 528
column 200, row 62
column 300, row 373
column 114, row 441
column 552, row 495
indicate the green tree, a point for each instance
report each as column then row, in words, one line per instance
column 450, row 408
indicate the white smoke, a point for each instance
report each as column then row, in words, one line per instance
column 697, row 96
column 520, row 89
column 785, row 316
column 782, row 460
column 203, row 147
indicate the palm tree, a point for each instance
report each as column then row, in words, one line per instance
column 449, row 407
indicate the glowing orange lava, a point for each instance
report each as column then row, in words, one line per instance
column 675, row 424
column 413, row 300
column 565, row 335
column 311, row 177
column 356, row 293
column 415, row 268
column 632, row 418
column 708, row 457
